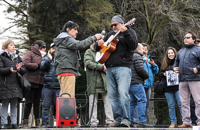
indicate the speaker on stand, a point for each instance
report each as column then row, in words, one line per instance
column 66, row 111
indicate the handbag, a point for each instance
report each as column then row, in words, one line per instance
column 159, row 87
column 25, row 84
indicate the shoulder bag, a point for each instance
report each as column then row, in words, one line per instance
column 24, row 84
column 159, row 87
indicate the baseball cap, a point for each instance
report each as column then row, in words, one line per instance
column 52, row 45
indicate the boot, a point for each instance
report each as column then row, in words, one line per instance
column 37, row 123
column 4, row 126
column 25, row 124
column 15, row 126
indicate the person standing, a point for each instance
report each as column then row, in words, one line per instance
column 152, row 68
column 96, row 83
column 67, row 56
column 192, row 104
column 118, row 73
column 171, row 92
column 51, row 87
column 136, row 91
column 32, row 60
column 11, row 89
column 187, row 65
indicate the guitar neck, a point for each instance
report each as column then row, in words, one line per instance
column 116, row 34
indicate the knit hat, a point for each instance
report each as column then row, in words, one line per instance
column 6, row 43
column 39, row 44
column 118, row 18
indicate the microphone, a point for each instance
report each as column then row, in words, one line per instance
column 103, row 32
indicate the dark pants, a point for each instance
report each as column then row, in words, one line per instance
column 49, row 98
column 192, row 111
column 33, row 97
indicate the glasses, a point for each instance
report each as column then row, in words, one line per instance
column 113, row 25
column 188, row 37
column 44, row 47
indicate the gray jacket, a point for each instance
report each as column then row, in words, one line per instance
column 66, row 59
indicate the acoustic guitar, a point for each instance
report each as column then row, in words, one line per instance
column 110, row 45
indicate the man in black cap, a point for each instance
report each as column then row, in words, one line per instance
column 51, row 87
column 119, row 71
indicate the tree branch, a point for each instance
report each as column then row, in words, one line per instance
column 7, row 29
column 17, row 9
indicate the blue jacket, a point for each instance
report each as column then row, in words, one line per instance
column 50, row 77
column 187, row 59
column 151, row 70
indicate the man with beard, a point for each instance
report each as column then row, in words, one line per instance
column 118, row 73
column 51, row 88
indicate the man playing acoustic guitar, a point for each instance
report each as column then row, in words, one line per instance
column 118, row 70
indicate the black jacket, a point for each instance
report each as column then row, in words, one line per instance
column 9, row 83
column 168, row 68
column 123, row 54
column 139, row 74
column 50, row 77
column 187, row 59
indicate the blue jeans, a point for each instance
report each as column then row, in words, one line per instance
column 118, row 84
column 138, row 96
column 49, row 98
column 171, row 104
column 136, row 116
column 148, row 96
column 13, row 109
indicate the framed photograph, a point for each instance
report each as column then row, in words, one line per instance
column 172, row 78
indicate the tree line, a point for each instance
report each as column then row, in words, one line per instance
column 159, row 23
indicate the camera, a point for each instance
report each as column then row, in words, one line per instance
column 151, row 57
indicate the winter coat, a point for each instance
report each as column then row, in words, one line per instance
column 66, row 50
column 32, row 60
column 123, row 54
column 151, row 70
column 169, row 68
column 187, row 59
column 94, row 73
column 139, row 74
column 50, row 77
column 10, row 86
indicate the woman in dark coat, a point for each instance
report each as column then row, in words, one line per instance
column 32, row 60
column 10, row 87
column 171, row 92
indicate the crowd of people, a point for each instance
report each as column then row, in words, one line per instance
column 124, row 80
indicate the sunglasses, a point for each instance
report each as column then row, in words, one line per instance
column 44, row 47
column 188, row 37
column 113, row 25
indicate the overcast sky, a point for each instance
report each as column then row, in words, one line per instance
column 4, row 24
